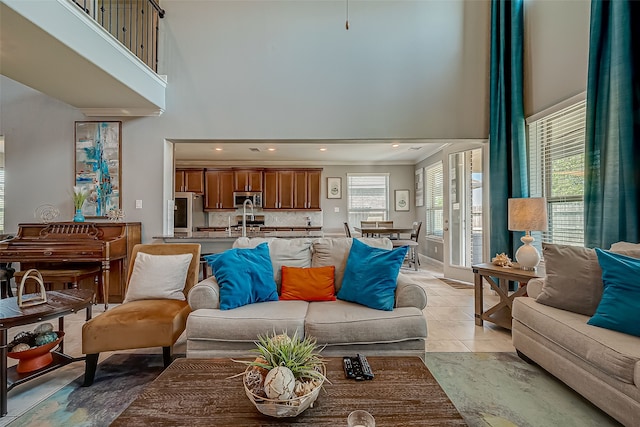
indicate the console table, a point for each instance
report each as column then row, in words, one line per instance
column 58, row 305
column 500, row 314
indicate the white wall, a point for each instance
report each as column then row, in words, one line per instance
column 556, row 52
column 267, row 69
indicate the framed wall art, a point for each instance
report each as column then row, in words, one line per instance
column 419, row 190
column 402, row 200
column 97, row 166
column 334, row 188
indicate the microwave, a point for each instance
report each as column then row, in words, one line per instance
column 240, row 196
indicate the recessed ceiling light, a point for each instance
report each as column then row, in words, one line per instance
column 395, row 145
column 271, row 149
column 323, row 149
column 218, row 149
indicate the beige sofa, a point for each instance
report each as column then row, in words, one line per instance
column 345, row 328
column 600, row 364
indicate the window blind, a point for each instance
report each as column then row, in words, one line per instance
column 556, row 168
column 434, row 201
column 368, row 197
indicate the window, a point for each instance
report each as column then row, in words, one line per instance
column 434, row 201
column 556, row 163
column 368, row 197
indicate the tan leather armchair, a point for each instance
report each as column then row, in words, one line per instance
column 143, row 323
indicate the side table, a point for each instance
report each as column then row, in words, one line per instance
column 58, row 305
column 500, row 314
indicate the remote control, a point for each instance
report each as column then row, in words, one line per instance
column 357, row 368
column 367, row 373
column 349, row 371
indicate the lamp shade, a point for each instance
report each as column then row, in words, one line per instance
column 528, row 214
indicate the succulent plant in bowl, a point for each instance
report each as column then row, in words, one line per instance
column 287, row 371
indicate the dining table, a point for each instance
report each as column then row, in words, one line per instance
column 392, row 232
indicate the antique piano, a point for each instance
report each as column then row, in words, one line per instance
column 63, row 244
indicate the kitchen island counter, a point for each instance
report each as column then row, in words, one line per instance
column 212, row 242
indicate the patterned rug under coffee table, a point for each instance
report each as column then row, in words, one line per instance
column 200, row 392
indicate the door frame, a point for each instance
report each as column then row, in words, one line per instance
column 453, row 271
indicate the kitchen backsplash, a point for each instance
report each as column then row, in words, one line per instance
column 271, row 219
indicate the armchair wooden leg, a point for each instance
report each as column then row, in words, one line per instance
column 90, row 365
column 166, row 356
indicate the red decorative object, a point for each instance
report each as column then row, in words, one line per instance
column 36, row 358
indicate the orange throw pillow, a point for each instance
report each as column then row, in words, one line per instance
column 308, row 284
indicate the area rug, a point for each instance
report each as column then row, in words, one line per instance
column 501, row 390
column 488, row 389
column 119, row 380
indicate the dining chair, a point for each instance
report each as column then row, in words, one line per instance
column 412, row 242
column 347, row 231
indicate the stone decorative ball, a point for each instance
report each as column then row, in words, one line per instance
column 280, row 383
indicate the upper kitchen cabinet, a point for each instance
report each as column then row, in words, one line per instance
column 219, row 185
column 248, row 180
column 278, row 189
column 189, row 180
column 292, row 189
column 306, row 189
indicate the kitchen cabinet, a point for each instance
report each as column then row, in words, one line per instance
column 306, row 189
column 248, row 180
column 189, row 180
column 278, row 189
column 219, row 186
column 297, row 189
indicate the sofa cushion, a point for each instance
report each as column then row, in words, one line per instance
column 158, row 277
column 335, row 251
column 341, row 322
column 308, row 284
column 612, row 352
column 573, row 279
column 245, row 276
column 370, row 275
column 243, row 324
column 289, row 252
column 619, row 308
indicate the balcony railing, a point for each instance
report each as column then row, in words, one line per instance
column 133, row 22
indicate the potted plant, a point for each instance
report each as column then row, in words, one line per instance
column 286, row 376
column 80, row 194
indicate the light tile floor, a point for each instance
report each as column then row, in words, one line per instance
column 449, row 314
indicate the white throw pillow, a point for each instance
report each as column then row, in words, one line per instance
column 158, row 277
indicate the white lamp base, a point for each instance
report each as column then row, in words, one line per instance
column 527, row 255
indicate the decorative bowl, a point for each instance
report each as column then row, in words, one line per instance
column 283, row 408
column 36, row 358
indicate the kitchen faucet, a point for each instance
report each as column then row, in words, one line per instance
column 244, row 216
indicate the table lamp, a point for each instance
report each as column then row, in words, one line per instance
column 528, row 214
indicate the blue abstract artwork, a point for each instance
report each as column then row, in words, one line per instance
column 97, row 163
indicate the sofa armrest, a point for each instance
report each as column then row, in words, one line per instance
column 534, row 287
column 409, row 293
column 205, row 294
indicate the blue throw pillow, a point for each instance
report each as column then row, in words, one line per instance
column 245, row 276
column 370, row 275
column 619, row 308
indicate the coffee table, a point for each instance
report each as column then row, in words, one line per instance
column 199, row 392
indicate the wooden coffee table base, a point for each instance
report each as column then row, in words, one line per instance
column 199, row 392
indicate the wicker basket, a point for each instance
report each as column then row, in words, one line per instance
column 283, row 408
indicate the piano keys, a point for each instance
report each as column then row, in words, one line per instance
column 63, row 244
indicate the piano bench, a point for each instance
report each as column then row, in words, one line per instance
column 70, row 278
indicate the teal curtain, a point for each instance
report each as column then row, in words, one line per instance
column 507, row 141
column 612, row 152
